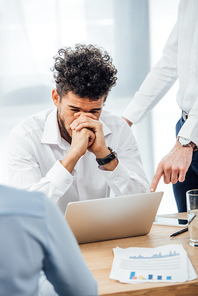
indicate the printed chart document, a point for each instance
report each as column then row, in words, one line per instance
column 168, row 263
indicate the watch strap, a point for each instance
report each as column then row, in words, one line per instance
column 108, row 158
column 190, row 144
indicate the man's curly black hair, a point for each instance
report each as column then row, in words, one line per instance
column 86, row 70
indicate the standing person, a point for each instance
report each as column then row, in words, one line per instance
column 77, row 151
column 35, row 237
column 179, row 61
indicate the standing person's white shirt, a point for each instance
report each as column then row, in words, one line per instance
column 179, row 60
column 36, row 146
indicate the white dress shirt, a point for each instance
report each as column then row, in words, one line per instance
column 179, row 60
column 36, row 148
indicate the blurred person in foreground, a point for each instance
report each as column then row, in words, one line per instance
column 35, row 237
column 179, row 61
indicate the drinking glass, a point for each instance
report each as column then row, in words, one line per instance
column 192, row 209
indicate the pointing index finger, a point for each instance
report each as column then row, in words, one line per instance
column 159, row 173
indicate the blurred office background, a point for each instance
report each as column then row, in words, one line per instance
column 132, row 31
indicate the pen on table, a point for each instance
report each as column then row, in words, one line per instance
column 179, row 232
column 184, row 229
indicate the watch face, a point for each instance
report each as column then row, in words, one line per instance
column 184, row 141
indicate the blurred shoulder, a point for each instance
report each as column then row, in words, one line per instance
column 21, row 202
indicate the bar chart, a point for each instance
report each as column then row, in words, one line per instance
column 133, row 276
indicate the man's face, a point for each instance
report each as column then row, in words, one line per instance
column 71, row 104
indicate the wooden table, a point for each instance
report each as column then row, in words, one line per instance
column 99, row 257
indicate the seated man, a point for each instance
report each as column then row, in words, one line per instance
column 68, row 152
column 35, row 237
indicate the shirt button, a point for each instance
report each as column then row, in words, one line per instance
column 187, row 99
column 80, row 180
column 67, row 181
column 194, row 46
column 192, row 72
column 115, row 178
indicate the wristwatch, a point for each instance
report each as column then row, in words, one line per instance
column 108, row 158
column 187, row 143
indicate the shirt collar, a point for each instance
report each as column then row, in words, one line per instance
column 51, row 133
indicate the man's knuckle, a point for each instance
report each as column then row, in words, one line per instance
column 183, row 169
column 168, row 165
column 100, row 124
column 175, row 168
column 161, row 164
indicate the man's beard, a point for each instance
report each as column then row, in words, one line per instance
column 64, row 133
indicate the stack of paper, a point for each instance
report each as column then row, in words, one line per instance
column 168, row 263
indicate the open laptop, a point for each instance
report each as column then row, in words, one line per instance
column 113, row 217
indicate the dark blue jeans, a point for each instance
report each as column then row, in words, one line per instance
column 191, row 179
